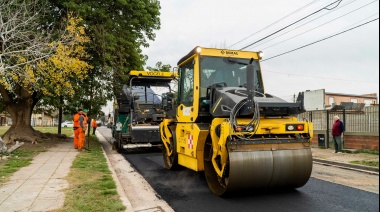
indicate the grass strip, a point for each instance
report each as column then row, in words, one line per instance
column 91, row 186
column 11, row 163
column 372, row 152
column 366, row 163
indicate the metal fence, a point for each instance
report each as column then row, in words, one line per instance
column 366, row 120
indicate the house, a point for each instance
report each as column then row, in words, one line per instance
column 5, row 119
column 43, row 119
column 333, row 99
column 360, row 113
column 321, row 100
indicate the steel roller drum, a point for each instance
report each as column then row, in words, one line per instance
column 250, row 170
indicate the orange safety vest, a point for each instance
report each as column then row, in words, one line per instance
column 94, row 124
column 76, row 120
column 85, row 121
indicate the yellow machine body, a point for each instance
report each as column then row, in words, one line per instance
column 276, row 153
column 149, row 74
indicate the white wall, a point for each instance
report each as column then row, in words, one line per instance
column 315, row 100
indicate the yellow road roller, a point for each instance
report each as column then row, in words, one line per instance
column 223, row 123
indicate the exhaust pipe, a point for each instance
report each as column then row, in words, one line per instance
column 250, row 85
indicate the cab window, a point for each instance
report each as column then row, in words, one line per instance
column 187, row 84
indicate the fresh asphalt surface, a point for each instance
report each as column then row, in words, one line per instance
column 186, row 190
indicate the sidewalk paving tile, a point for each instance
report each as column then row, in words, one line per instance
column 38, row 187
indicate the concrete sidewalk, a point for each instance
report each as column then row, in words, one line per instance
column 39, row 186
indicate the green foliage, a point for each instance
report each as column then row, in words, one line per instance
column 117, row 30
column 38, row 61
column 85, row 69
column 160, row 67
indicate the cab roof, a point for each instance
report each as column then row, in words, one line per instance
column 151, row 78
column 219, row 53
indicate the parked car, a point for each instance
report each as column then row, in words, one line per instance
column 67, row 124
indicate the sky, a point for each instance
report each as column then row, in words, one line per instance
column 346, row 63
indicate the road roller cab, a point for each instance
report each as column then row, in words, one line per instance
column 227, row 126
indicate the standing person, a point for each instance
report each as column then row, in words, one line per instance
column 77, row 128
column 94, row 126
column 337, row 130
column 83, row 120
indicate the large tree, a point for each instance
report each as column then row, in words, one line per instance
column 160, row 67
column 117, row 30
column 34, row 64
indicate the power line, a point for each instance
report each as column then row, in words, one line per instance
column 303, row 7
column 324, row 8
column 303, row 25
column 321, row 40
column 322, row 25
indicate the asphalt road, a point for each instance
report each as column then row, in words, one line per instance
column 186, row 190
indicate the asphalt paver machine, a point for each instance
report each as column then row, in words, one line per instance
column 140, row 110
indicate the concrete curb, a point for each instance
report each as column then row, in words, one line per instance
column 356, row 167
column 138, row 194
column 120, row 191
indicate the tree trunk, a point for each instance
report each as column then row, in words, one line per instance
column 21, row 130
column 20, row 109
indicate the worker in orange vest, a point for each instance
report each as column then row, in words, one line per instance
column 83, row 120
column 94, row 126
column 77, row 128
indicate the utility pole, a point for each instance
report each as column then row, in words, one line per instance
column 60, row 115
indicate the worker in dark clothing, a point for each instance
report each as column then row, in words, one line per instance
column 83, row 120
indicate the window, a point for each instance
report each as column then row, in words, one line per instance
column 367, row 102
column 187, row 84
column 232, row 71
column 331, row 101
column 354, row 100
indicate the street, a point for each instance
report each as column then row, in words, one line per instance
column 186, row 190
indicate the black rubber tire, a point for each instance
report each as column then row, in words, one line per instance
column 171, row 162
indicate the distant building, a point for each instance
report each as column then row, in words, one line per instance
column 43, row 119
column 5, row 119
column 333, row 99
column 321, row 100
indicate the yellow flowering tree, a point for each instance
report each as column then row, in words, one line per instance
column 33, row 66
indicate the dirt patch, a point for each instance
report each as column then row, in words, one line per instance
column 45, row 142
column 26, row 153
